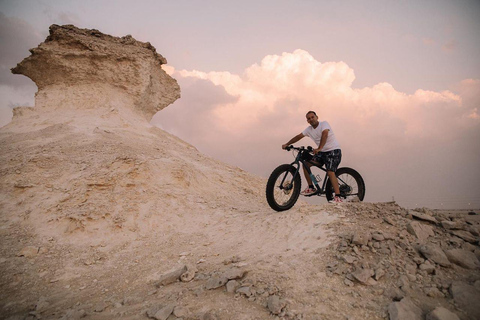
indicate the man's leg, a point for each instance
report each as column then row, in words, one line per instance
column 334, row 180
column 307, row 175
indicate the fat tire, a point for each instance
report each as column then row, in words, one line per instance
column 358, row 179
column 270, row 190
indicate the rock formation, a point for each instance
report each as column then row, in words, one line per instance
column 85, row 69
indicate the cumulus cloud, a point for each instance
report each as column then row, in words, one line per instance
column 244, row 119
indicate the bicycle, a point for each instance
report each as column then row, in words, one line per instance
column 284, row 184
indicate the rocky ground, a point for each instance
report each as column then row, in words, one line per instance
column 349, row 261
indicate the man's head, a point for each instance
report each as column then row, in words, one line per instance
column 312, row 118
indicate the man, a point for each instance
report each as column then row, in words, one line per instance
column 328, row 152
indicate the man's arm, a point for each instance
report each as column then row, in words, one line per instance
column 297, row 138
column 323, row 140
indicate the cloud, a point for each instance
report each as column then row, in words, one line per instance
column 16, row 38
column 244, row 119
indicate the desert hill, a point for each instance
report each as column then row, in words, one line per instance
column 104, row 216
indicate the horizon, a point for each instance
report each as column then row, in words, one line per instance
column 398, row 82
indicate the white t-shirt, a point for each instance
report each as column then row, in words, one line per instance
column 316, row 135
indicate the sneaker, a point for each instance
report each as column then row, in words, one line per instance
column 308, row 192
column 336, row 199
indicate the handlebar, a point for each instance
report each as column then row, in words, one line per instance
column 290, row 147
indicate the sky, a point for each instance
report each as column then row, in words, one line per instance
column 398, row 81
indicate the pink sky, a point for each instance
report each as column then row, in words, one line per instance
column 399, row 81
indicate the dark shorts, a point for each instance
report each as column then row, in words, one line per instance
column 331, row 159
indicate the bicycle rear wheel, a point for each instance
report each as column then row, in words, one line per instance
column 283, row 188
column 350, row 183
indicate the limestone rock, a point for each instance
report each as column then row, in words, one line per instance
column 467, row 298
column 189, row 274
column 28, row 252
column 216, row 281
column 171, row 276
column 361, row 238
column 463, row 258
column 441, row 313
column 364, row 276
column 423, row 217
column 465, row 235
column 75, row 61
column 435, row 253
column 275, row 304
column 160, row 313
column 404, row 310
column 420, row 230
column 232, row 285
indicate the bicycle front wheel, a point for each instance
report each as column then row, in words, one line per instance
column 350, row 183
column 283, row 187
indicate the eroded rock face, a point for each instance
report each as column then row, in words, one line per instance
column 78, row 65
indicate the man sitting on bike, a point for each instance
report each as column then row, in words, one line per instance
column 328, row 152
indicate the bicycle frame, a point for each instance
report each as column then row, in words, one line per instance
column 296, row 163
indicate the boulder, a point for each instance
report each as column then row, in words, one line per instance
column 465, row 235
column 404, row 310
column 423, row 217
column 463, row 258
column 466, row 297
column 434, row 253
column 441, row 313
column 420, row 230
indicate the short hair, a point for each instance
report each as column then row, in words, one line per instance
column 311, row 112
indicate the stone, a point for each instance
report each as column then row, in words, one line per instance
column 209, row 315
column 465, row 235
column 404, row 310
column 441, row 313
column 378, row 236
column 463, row 258
column 180, row 312
column 364, row 276
column 451, row 225
column 389, row 221
column 232, row 285
column 420, row 230
column 433, row 292
column 161, row 312
column 245, row 291
column 28, row 252
column 361, row 238
column 275, row 304
column 427, row 267
column 379, row 273
column 189, row 274
column 171, row 276
column 466, row 297
column 434, row 253
column 234, row 273
column 423, row 217
column 215, row 282
column 349, row 259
